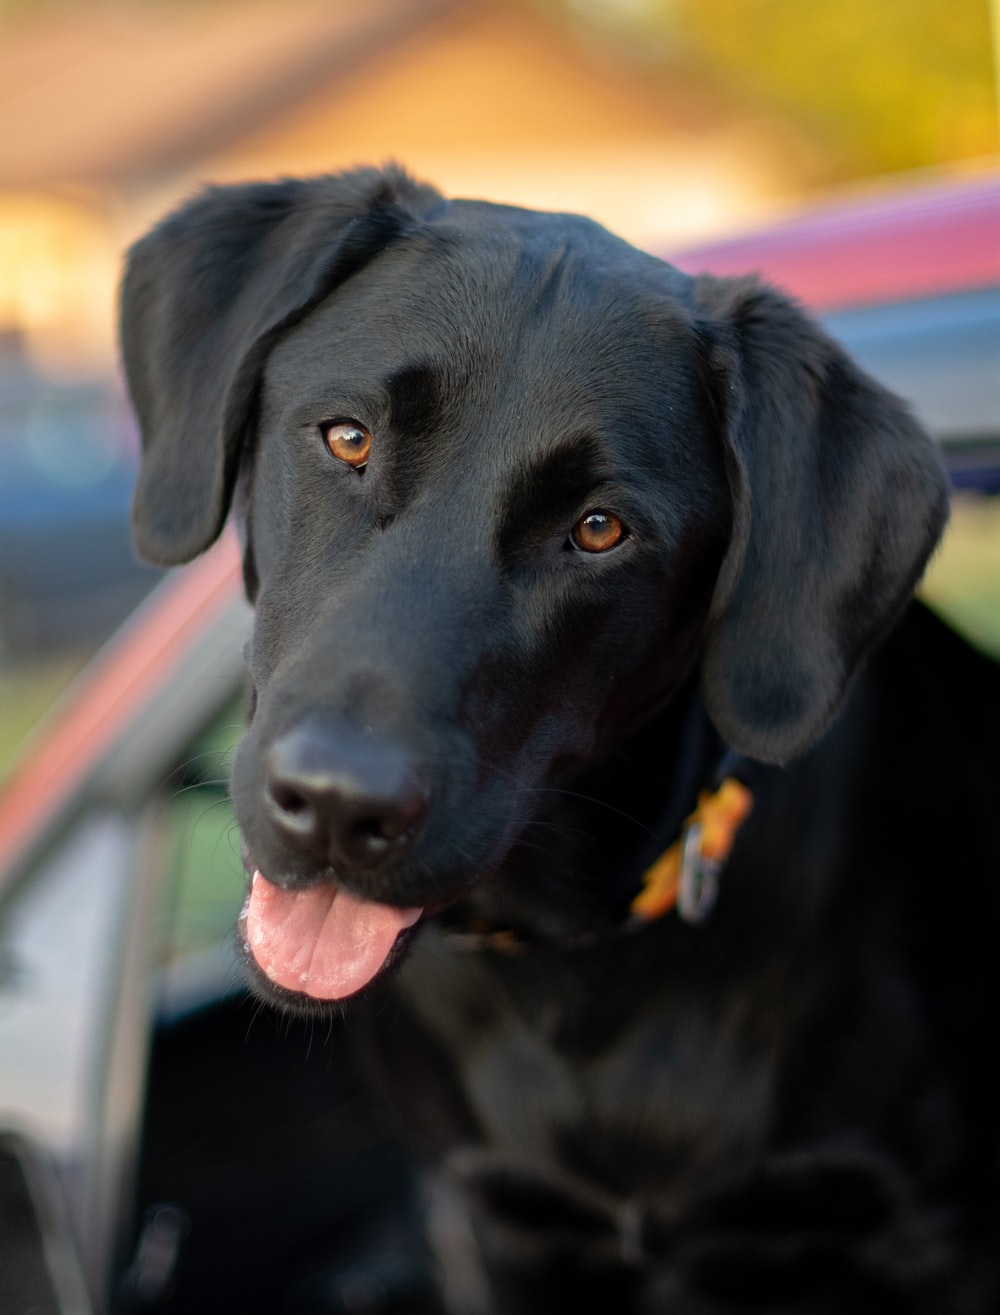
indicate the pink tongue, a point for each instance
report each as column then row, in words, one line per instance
column 324, row 941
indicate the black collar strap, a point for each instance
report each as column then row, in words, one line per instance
column 685, row 877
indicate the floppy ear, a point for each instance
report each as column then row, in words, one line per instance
column 838, row 499
column 204, row 296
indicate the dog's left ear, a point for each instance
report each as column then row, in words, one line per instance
column 204, row 296
column 838, row 499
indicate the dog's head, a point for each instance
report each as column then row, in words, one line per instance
column 503, row 483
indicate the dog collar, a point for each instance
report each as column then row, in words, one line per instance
column 686, row 876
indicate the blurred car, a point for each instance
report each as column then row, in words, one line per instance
column 910, row 282
column 68, row 574
column 166, row 1145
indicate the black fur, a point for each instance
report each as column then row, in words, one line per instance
column 791, row 1106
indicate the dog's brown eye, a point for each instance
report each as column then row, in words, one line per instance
column 348, row 441
column 597, row 532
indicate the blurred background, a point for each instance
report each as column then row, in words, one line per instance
column 674, row 122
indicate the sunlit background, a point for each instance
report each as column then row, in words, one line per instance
column 671, row 121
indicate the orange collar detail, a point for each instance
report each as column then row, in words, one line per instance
column 696, row 859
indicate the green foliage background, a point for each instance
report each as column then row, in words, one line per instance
column 879, row 85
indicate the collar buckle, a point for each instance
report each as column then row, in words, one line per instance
column 686, row 876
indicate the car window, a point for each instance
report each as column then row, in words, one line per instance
column 73, row 1028
column 204, row 881
column 128, row 911
column 940, row 353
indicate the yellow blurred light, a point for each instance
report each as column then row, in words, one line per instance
column 57, row 273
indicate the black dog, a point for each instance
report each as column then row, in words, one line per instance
column 565, row 567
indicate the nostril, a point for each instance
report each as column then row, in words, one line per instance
column 366, row 838
column 288, row 799
column 399, row 818
column 371, row 828
column 344, row 797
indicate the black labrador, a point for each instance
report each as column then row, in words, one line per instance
column 595, row 741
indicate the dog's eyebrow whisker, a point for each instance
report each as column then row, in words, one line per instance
column 388, row 305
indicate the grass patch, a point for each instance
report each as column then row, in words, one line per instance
column 963, row 583
column 207, row 882
column 206, row 879
column 27, row 691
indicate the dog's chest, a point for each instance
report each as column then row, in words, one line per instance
column 583, row 1094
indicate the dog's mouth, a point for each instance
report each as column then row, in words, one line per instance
column 322, row 942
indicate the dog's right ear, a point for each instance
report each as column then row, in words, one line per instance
column 838, row 498
column 204, row 296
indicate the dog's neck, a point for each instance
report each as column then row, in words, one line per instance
column 575, row 873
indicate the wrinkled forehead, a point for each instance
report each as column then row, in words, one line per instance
column 521, row 312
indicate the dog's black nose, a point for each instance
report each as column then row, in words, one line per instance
column 347, row 797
